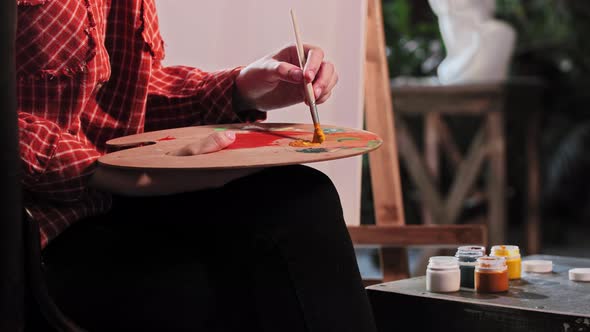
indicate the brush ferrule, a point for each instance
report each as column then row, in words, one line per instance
column 314, row 113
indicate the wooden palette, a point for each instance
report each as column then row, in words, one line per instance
column 256, row 145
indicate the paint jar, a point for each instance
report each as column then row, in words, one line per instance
column 467, row 257
column 443, row 275
column 537, row 266
column 491, row 275
column 513, row 260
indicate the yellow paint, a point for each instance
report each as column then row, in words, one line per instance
column 303, row 143
column 513, row 259
column 318, row 135
column 514, row 268
column 318, row 138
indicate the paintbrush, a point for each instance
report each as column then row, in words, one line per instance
column 318, row 134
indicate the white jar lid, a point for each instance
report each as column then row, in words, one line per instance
column 537, row 266
column 443, row 262
column 580, row 274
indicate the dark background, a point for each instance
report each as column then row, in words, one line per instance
column 553, row 45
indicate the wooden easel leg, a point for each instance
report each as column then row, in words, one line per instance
column 431, row 156
column 384, row 162
column 379, row 119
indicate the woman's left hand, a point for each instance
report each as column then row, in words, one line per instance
column 276, row 80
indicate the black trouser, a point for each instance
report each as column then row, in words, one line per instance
column 268, row 252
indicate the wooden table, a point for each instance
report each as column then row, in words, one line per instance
column 489, row 102
column 536, row 303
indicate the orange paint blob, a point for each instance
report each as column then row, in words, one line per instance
column 318, row 135
column 303, row 143
column 318, row 138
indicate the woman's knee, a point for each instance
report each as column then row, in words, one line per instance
column 304, row 187
column 304, row 178
column 280, row 183
column 298, row 194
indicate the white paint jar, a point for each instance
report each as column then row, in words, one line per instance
column 443, row 274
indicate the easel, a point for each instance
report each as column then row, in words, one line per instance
column 390, row 231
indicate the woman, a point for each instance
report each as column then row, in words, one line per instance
column 265, row 250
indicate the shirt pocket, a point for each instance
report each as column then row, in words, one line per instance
column 54, row 37
column 151, row 30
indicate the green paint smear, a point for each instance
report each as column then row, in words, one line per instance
column 312, row 150
column 219, row 129
column 343, row 139
column 373, row 143
column 333, row 130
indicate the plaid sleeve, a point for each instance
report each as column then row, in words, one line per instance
column 180, row 96
column 56, row 164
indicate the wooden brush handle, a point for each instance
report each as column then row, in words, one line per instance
column 302, row 60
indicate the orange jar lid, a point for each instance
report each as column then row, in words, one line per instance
column 491, row 263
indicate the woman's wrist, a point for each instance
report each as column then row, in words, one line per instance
column 240, row 103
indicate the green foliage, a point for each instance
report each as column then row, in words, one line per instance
column 414, row 48
column 541, row 24
column 552, row 44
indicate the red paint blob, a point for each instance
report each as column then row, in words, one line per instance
column 167, row 138
column 256, row 139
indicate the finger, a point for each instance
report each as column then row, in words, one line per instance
column 288, row 72
column 323, row 79
column 323, row 98
column 315, row 57
column 217, row 141
column 326, row 95
column 211, row 143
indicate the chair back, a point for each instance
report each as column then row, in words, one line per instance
column 12, row 276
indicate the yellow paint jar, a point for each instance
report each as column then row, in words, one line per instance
column 513, row 260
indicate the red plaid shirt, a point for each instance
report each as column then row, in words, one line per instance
column 89, row 71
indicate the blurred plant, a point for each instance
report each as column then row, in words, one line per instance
column 541, row 24
column 414, row 46
column 552, row 44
